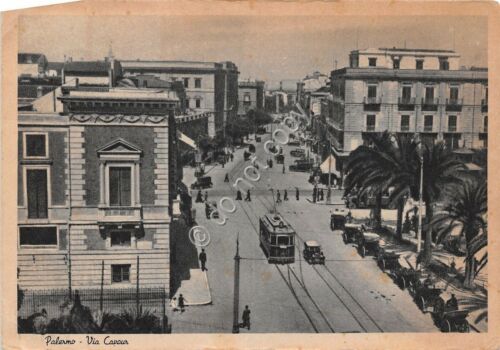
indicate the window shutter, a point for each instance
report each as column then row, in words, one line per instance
column 36, row 184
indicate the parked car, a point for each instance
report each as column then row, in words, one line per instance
column 280, row 159
column 298, row 152
column 293, row 142
column 312, row 253
column 302, row 165
column 202, row 182
column 261, row 130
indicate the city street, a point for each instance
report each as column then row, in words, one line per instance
column 347, row 294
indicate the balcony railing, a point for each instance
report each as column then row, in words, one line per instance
column 405, row 128
column 372, row 100
column 429, row 104
column 454, row 104
column 119, row 214
column 370, row 128
column 452, row 128
column 427, row 128
column 406, row 100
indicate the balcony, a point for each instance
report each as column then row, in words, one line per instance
column 372, row 103
column 452, row 128
column 405, row 128
column 484, row 105
column 454, row 104
column 427, row 128
column 430, row 104
column 119, row 214
column 370, row 128
column 406, row 103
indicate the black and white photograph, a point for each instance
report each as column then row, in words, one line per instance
column 251, row 174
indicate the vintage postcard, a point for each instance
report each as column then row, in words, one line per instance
column 249, row 175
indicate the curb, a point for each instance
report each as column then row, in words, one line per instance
column 209, row 301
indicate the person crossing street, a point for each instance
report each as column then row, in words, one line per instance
column 297, row 194
column 285, row 195
column 278, row 197
column 203, row 259
column 248, row 198
column 246, row 318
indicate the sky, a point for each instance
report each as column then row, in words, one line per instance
column 264, row 47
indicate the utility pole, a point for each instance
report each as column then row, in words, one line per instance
column 236, row 300
column 329, row 193
column 419, row 231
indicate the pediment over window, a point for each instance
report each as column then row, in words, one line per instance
column 119, row 147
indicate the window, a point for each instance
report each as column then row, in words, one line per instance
column 372, row 91
column 405, row 123
column 120, row 186
column 186, row 82
column 198, row 103
column 187, row 103
column 454, row 93
column 120, row 273
column 428, row 121
column 395, row 63
column 406, row 94
column 372, row 62
column 485, row 124
column 429, row 94
column 197, row 83
column 37, row 194
column 444, row 64
column 38, row 236
column 419, row 64
column 452, row 123
column 283, row 240
column 246, row 100
column 120, row 238
column 156, row 105
column 370, row 122
column 131, row 104
column 35, row 145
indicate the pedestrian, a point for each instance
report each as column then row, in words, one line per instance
column 173, row 304
column 321, row 194
column 452, row 303
column 271, row 163
column 206, row 196
column 283, row 167
column 222, row 164
column 285, row 195
column 315, row 193
column 226, row 178
column 246, row 318
column 238, row 195
column 232, row 157
column 203, row 259
column 248, row 198
column 181, row 303
column 199, row 199
column 297, row 194
column 278, row 197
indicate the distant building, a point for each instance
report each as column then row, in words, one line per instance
column 95, row 186
column 54, row 69
column 31, row 64
column 92, row 73
column 250, row 96
column 405, row 91
column 210, row 87
column 311, row 90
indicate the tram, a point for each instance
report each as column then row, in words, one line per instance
column 277, row 239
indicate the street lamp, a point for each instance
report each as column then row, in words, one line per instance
column 420, row 202
column 236, row 296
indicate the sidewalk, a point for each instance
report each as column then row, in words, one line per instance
column 439, row 268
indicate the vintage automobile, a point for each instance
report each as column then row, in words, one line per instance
column 258, row 139
column 246, row 155
column 280, row 159
column 251, row 148
column 303, row 165
column 210, row 207
column 338, row 219
column 367, row 242
column 298, row 153
column 293, row 142
column 202, row 182
column 261, row 130
column 351, row 231
column 312, row 253
column 388, row 260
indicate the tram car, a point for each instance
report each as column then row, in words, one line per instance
column 277, row 239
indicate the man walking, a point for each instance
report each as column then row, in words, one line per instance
column 181, row 302
column 203, row 259
column 297, row 194
column 206, row 196
column 278, row 197
column 285, row 195
column 283, row 168
column 238, row 195
column 248, row 198
column 226, row 178
column 246, row 318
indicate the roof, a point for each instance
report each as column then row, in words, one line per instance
column 124, row 93
column 58, row 66
column 312, row 244
column 412, row 50
column 87, row 66
column 25, row 57
column 168, row 64
column 473, row 167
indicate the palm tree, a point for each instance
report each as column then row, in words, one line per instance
column 466, row 213
column 441, row 169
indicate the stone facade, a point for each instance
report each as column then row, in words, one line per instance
column 92, row 158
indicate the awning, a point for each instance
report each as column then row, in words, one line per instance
column 186, row 139
column 328, row 166
column 473, row 167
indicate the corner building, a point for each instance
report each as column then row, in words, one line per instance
column 405, row 91
column 96, row 185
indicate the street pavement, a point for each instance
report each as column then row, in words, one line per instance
column 347, row 294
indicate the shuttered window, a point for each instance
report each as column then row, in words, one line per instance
column 36, row 187
column 120, row 186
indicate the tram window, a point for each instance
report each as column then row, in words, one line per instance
column 282, row 240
